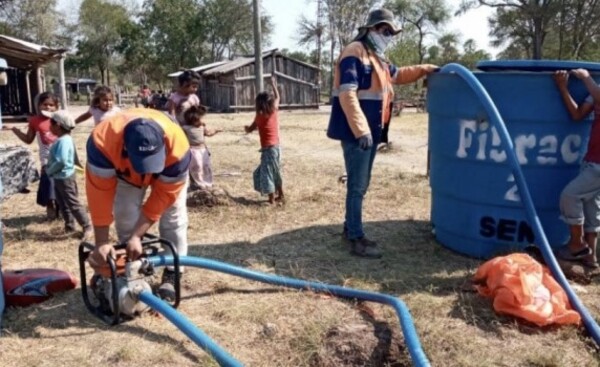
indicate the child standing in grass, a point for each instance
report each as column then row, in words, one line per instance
column 185, row 96
column 61, row 167
column 195, row 130
column 39, row 129
column 102, row 106
column 267, row 177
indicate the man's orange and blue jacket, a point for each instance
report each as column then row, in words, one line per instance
column 107, row 161
column 362, row 92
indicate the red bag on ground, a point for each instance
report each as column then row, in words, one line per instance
column 29, row 286
column 522, row 287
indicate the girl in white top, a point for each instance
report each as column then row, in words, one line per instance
column 196, row 131
column 102, row 106
column 185, row 96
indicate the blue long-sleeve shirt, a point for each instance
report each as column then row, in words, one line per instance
column 61, row 163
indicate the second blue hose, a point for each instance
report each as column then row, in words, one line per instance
column 408, row 328
column 189, row 329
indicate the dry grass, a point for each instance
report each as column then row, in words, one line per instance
column 269, row 326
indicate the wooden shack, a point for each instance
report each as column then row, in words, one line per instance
column 81, row 86
column 229, row 86
column 25, row 75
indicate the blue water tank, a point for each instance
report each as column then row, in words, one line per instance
column 475, row 204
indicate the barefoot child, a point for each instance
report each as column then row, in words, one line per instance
column 195, row 130
column 267, row 177
column 39, row 129
column 61, row 167
column 580, row 199
column 102, row 106
column 185, row 96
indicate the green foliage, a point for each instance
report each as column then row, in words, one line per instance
column 424, row 16
column 100, row 23
column 32, row 20
column 404, row 52
column 228, row 27
column 174, row 31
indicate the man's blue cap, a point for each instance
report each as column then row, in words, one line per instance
column 145, row 145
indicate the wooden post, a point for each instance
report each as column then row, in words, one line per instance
column 28, row 86
column 258, row 62
column 61, row 78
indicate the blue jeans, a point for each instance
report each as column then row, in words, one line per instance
column 359, row 163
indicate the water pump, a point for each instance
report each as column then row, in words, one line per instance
column 112, row 293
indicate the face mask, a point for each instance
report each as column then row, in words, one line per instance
column 380, row 41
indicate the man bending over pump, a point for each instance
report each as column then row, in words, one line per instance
column 127, row 153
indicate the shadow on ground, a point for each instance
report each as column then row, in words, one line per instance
column 67, row 312
column 412, row 262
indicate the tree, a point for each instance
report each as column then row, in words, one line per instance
column 448, row 44
column 472, row 55
column 426, row 16
column 405, row 49
column 576, row 29
column 100, row 22
column 296, row 55
column 309, row 31
column 175, row 33
column 226, row 25
column 526, row 21
column 138, row 55
column 32, row 20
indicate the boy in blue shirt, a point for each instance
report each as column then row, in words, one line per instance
column 61, row 167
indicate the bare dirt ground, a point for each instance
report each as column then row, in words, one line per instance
column 263, row 325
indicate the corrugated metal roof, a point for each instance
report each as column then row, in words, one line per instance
column 224, row 67
column 230, row 66
column 26, row 55
column 246, row 60
column 81, row 81
column 199, row 69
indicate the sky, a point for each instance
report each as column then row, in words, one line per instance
column 285, row 15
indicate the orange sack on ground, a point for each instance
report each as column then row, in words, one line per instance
column 522, row 287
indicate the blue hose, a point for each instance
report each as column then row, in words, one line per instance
column 189, row 329
column 408, row 328
column 507, row 144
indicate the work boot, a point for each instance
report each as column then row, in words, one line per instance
column 166, row 290
column 364, row 247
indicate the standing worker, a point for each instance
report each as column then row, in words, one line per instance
column 361, row 103
column 129, row 152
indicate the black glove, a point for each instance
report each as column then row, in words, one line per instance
column 365, row 142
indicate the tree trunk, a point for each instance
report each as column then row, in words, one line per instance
column 107, row 73
column 319, row 39
column 420, row 45
column 332, row 59
column 561, row 28
column 538, row 39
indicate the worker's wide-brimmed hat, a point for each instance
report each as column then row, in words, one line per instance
column 376, row 17
column 380, row 16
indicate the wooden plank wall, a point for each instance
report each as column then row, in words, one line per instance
column 235, row 90
column 297, row 91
